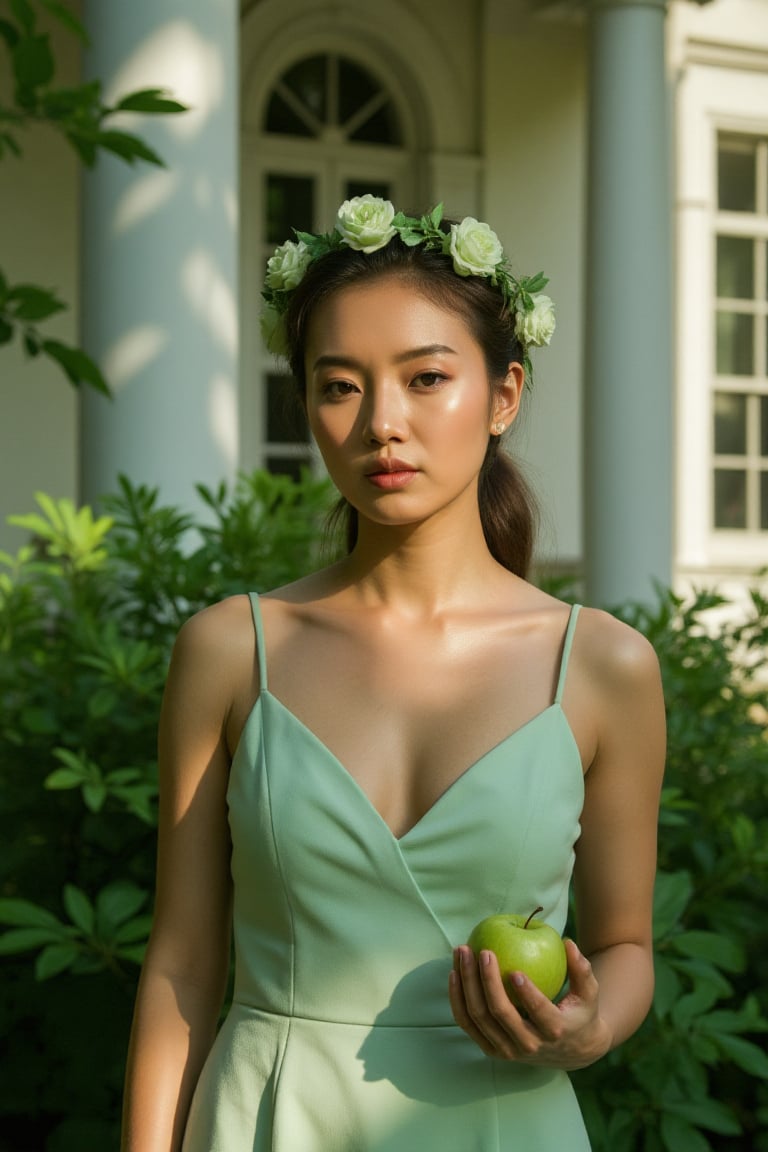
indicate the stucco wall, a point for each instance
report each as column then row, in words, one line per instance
column 38, row 244
column 535, row 145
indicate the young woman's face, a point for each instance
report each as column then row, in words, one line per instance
column 399, row 401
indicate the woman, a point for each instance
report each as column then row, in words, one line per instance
column 360, row 766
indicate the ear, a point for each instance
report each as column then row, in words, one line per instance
column 506, row 400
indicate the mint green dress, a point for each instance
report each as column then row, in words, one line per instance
column 340, row 1036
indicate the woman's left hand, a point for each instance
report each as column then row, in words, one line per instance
column 567, row 1035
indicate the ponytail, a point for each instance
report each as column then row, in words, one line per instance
column 508, row 511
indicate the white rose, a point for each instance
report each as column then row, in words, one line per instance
column 365, row 223
column 475, row 248
column 287, row 267
column 273, row 332
column 536, row 327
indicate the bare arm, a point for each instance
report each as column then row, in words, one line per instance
column 616, row 854
column 611, row 977
column 184, row 975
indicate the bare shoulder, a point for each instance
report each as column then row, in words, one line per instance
column 615, row 656
column 217, row 644
column 222, row 624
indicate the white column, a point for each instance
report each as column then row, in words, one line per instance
column 159, row 254
column 628, row 419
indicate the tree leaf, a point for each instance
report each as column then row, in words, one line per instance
column 117, row 903
column 94, row 795
column 134, row 953
column 128, row 147
column 79, row 367
column 32, row 343
column 671, row 894
column 725, row 951
column 62, row 779
column 136, row 929
column 707, row 1113
column 744, row 1054
column 22, row 939
column 79, row 909
column 24, row 13
column 33, row 64
column 32, row 303
column 150, row 100
column 25, row 914
column 54, row 959
column 667, row 989
column 65, row 17
column 679, row 1136
column 692, row 1006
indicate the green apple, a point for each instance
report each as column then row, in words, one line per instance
column 522, row 944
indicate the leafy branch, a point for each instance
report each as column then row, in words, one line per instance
column 80, row 115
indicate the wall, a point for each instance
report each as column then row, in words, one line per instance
column 535, row 145
column 39, row 236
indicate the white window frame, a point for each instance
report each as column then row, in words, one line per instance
column 713, row 98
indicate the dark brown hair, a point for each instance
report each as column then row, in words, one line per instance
column 507, row 508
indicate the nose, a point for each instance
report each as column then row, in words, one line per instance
column 384, row 414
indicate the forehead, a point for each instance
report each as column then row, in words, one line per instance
column 389, row 313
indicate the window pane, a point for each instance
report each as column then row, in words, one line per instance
column 282, row 118
column 730, row 423
column 764, row 501
column 286, row 466
column 734, row 344
column 764, row 425
column 290, row 204
column 286, row 423
column 737, row 174
column 362, row 187
column 382, row 127
column 356, row 87
column 309, row 81
column 730, row 498
column 735, row 267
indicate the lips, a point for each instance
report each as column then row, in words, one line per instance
column 390, row 464
column 391, row 473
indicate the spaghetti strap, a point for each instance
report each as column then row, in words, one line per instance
column 261, row 652
column 566, row 652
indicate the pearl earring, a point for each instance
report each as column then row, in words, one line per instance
column 498, row 427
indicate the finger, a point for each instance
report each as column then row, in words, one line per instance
column 540, row 1013
column 488, row 1004
column 461, row 1014
column 581, row 978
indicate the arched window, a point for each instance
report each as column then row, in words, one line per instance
column 332, row 98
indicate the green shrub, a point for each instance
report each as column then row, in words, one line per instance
column 695, row 1076
column 88, row 613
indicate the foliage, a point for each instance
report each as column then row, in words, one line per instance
column 88, row 612
column 695, row 1077
column 81, row 117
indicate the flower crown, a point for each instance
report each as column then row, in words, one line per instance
column 367, row 223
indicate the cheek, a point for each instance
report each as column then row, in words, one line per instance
column 467, row 416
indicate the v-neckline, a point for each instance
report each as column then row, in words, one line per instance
column 554, row 707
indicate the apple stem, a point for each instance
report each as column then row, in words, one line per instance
column 539, row 909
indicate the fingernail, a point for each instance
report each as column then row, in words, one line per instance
column 485, row 958
column 518, row 979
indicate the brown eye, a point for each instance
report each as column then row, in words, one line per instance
column 428, row 380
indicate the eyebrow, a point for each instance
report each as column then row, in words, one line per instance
column 335, row 361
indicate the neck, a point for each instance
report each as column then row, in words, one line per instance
column 421, row 570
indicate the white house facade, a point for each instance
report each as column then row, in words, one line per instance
column 619, row 145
